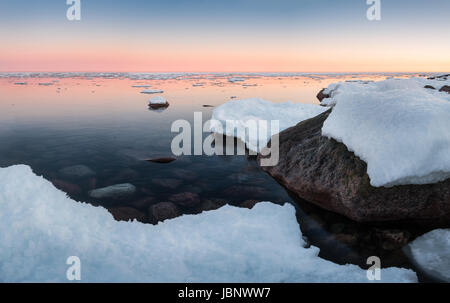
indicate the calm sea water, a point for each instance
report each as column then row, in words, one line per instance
column 106, row 124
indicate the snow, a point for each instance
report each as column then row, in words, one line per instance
column 241, row 113
column 152, row 91
column 398, row 127
column 158, row 100
column 42, row 228
column 430, row 253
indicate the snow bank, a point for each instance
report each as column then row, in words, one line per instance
column 42, row 227
column 398, row 127
column 430, row 253
column 158, row 100
column 241, row 113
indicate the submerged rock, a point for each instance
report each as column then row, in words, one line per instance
column 67, row 187
column 167, row 183
column 186, row 199
column 127, row 214
column 163, row 211
column 77, row 171
column 118, row 191
column 324, row 172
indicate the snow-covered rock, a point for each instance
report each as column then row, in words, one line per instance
column 42, row 227
column 398, row 127
column 240, row 115
column 113, row 192
column 158, row 100
column 431, row 254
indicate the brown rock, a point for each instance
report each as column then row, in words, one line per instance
column 186, row 199
column 143, row 203
column 69, row 188
column 429, row 87
column 163, row 211
column 393, row 239
column 445, row 88
column 249, row 203
column 321, row 95
column 158, row 106
column 127, row 214
column 161, row 160
column 323, row 171
column 167, row 182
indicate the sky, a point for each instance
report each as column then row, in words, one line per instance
column 225, row 36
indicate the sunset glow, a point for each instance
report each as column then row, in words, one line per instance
column 240, row 36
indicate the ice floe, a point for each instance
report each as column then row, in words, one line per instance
column 241, row 114
column 42, row 228
column 398, row 127
column 152, row 91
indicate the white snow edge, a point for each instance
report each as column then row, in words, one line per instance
column 42, row 227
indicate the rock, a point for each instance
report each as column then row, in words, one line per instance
column 445, row 88
column 77, row 172
column 158, row 106
column 143, row 203
column 186, row 199
column 207, row 105
column 337, row 228
column 444, row 77
column 163, row 211
column 393, row 239
column 323, row 172
column 248, row 203
column 321, row 95
column 184, row 174
column 161, row 160
column 118, row 191
column 212, row 204
column 127, row 214
column 429, row 87
column 247, row 192
column 167, row 183
column 347, row 239
column 69, row 188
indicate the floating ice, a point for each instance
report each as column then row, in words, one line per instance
column 152, row 91
column 398, row 127
column 240, row 115
column 236, row 79
column 42, row 228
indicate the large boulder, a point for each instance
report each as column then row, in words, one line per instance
column 324, row 172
